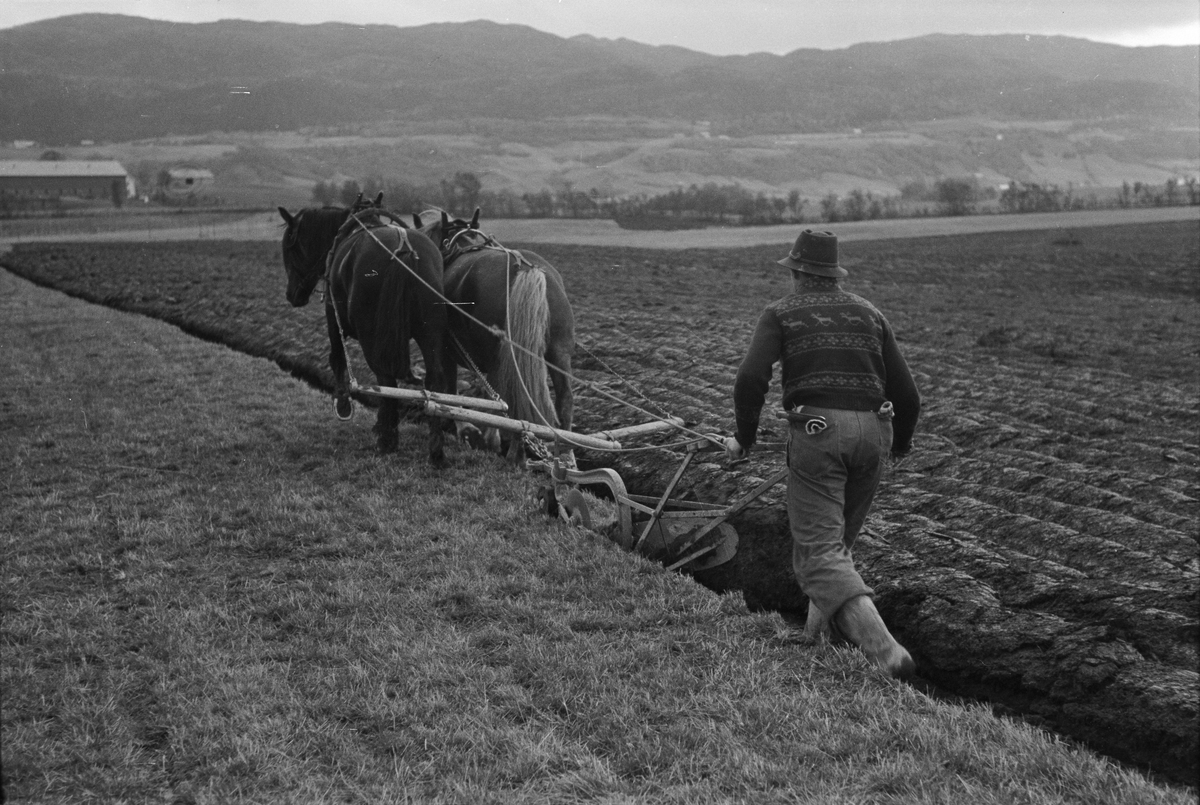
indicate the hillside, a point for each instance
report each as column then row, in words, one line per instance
column 116, row 78
column 273, row 108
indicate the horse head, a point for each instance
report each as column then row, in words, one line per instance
column 306, row 243
column 360, row 205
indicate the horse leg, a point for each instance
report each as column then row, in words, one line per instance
column 558, row 357
column 509, row 444
column 464, row 432
column 406, row 373
column 491, row 440
column 516, row 450
column 558, row 364
column 387, row 421
column 343, row 406
column 435, row 380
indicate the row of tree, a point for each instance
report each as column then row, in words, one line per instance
column 731, row 204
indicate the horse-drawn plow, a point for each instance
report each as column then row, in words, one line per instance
column 682, row 534
column 487, row 321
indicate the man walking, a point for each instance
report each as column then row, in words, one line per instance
column 850, row 400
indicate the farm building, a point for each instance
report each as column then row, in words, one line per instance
column 184, row 181
column 51, row 179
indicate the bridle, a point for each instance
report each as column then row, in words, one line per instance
column 296, row 257
column 471, row 240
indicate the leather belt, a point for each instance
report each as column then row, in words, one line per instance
column 815, row 423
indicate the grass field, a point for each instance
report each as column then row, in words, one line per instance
column 214, row 593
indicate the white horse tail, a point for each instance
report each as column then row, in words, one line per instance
column 520, row 375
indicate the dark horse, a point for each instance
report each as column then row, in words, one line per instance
column 383, row 288
column 521, row 294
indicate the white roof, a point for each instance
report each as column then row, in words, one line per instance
column 61, row 167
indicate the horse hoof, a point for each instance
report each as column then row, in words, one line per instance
column 344, row 408
column 469, row 435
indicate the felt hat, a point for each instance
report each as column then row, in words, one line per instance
column 815, row 253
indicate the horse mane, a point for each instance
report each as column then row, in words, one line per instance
column 325, row 221
column 321, row 225
column 364, row 218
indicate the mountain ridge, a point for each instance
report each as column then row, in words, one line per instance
column 116, row 77
column 274, row 108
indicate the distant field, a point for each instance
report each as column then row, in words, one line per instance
column 584, row 232
column 622, row 158
column 198, row 224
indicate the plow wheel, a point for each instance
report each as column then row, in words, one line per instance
column 571, row 507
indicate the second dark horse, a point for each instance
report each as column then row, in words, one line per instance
column 383, row 288
column 518, row 293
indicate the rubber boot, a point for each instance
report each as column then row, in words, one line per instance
column 859, row 621
column 817, row 625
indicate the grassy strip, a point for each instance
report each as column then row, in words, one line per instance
column 215, row 593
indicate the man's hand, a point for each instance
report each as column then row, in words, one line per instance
column 734, row 450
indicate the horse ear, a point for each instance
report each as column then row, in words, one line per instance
column 475, row 219
column 416, row 221
column 287, row 216
column 445, row 221
column 379, row 199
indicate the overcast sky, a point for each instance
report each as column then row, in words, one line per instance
column 713, row 26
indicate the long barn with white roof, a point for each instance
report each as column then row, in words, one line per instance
column 47, row 179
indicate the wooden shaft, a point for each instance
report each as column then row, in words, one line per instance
column 617, row 434
column 418, row 395
column 544, row 432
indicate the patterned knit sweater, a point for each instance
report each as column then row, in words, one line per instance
column 837, row 351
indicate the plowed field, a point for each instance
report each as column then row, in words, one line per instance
column 1038, row 548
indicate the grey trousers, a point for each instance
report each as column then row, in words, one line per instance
column 832, row 481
